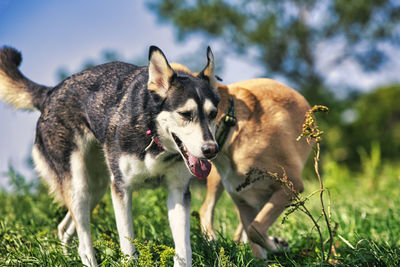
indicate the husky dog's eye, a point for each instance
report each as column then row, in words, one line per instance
column 212, row 115
column 187, row 115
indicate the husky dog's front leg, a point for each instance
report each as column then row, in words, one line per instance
column 179, row 219
column 122, row 202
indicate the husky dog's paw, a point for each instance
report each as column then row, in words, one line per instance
column 273, row 244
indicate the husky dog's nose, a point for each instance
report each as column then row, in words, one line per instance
column 210, row 150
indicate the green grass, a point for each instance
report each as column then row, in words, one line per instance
column 365, row 205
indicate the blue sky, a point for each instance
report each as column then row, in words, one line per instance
column 53, row 34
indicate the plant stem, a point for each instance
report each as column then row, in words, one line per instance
column 321, row 242
column 316, row 160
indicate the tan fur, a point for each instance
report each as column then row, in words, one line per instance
column 180, row 67
column 269, row 119
column 15, row 93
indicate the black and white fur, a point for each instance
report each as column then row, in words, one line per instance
column 111, row 109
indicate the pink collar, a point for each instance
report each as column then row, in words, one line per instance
column 154, row 139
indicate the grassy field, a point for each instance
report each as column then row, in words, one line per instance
column 365, row 207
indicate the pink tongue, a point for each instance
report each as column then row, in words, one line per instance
column 199, row 167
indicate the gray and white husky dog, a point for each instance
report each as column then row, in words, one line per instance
column 153, row 124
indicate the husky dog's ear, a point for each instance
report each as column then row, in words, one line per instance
column 160, row 72
column 208, row 71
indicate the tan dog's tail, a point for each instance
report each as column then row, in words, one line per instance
column 15, row 88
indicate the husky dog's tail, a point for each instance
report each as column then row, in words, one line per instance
column 15, row 88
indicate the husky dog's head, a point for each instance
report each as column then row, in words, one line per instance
column 187, row 120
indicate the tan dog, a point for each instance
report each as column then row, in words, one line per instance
column 269, row 119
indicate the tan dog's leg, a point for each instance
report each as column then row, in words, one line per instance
column 257, row 230
column 214, row 191
column 237, row 237
column 240, row 235
column 247, row 214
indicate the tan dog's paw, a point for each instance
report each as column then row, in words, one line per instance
column 273, row 244
column 210, row 235
column 280, row 244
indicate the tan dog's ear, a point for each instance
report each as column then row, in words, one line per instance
column 160, row 72
column 208, row 71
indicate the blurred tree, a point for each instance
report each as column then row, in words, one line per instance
column 378, row 118
column 285, row 34
column 370, row 122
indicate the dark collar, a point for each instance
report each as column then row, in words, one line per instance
column 225, row 124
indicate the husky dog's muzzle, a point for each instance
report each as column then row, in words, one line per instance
column 199, row 167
